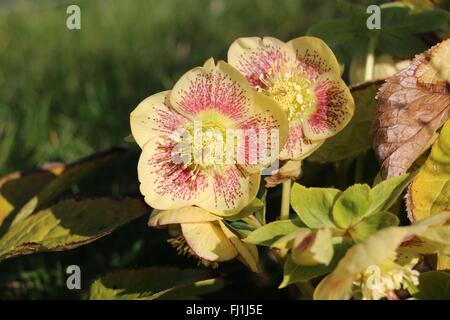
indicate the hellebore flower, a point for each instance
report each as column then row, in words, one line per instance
column 378, row 282
column 383, row 262
column 205, row 236
column 303, row 76
column 189, row 152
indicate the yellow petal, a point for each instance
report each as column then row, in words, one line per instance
column 220, row 88
column 334, row 108
column 178, row 216
column 256, row 57
column 314, row 56
column 208, row 241
column 372, row 251
column 154, row 117
column 247, row 252
column 165, row 184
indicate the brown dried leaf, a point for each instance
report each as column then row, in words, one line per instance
column 412, row 106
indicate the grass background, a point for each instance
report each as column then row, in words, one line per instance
column 65, row 94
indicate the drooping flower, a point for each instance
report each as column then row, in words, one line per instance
column 303, row 76
column 188, row 157
column 384, row 261
column 205, row 236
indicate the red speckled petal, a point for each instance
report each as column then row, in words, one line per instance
column 314, row 56
column 298, row 146
column 255, row 57
column 154, row 117
column 269, row 126
column 334, row 108
column 164, row 183
column 230, row 191
column 219, row 88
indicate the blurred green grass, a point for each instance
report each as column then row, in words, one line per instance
column 64, row 94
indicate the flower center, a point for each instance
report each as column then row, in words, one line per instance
column 378, row 282
column 201, row 146
column 293, row 91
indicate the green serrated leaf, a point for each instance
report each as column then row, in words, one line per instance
column 313, row 205
column 22, row 194
column 255, row 206
column 68, row 224
column 371, row 224
column 351, row 205
column 386, row 193
column 239, row 227
column 153, row 283
column 271, row 232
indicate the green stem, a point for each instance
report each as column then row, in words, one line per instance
column 370, row 60
column 306, row 289
column 285, row 200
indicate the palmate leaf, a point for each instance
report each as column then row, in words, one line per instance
column 68, row 224
column 352, row 205
column 429, row 192
column 154, row 283
column 359, row 210
column 23, row 193
column 413, row 105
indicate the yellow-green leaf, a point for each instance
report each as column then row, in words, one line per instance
column 371, row 224
column 68, row 224
column 23, row 193
column 351, row 205
column 385, row 193
column 313, row 205
column 69, row 175
column 154, row 283
column 429, row 192
column 271, row 232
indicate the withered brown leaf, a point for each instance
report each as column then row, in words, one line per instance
column 412, row 105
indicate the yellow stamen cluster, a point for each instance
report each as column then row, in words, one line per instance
column 379, row 282
column 292, row 89
column 202, row 146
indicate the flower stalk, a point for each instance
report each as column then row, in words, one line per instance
column 285, row 199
